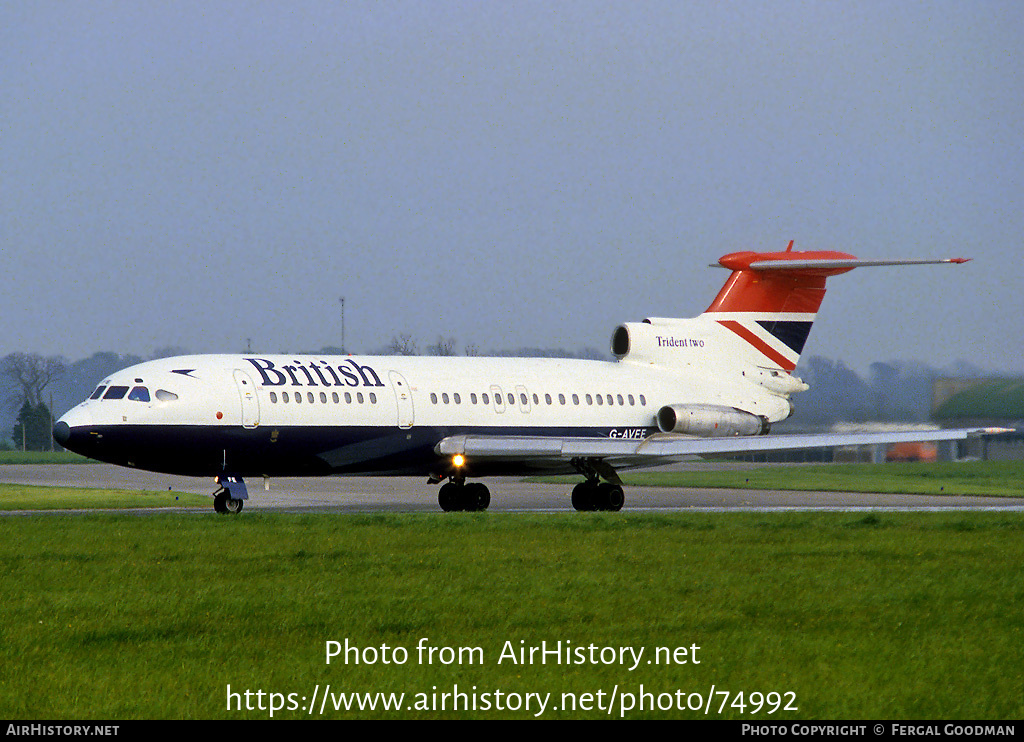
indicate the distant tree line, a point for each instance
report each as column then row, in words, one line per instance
column 26, row 376
column 897, row 391
column 406, row 345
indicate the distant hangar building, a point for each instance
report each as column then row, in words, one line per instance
column 970, row 403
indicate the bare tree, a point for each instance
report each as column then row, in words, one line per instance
column 443, row 347
column 402, row 345
column 30, row 373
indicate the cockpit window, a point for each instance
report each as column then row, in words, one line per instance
column 165, row 396
column 116, row 392
column 98, row 393
column 139, row 394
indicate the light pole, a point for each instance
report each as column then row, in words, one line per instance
column 342, row 300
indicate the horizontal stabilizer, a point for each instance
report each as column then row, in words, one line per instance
column 794, row 265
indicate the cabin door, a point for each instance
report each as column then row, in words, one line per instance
column 250, row 404
column 403, row 397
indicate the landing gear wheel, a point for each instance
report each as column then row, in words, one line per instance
column 477, row 496
column 460, row 496
column 449, row 497
column 584, row 496
column 229, row 485
column 222, row 503
column 610, row 497
column 590, row 495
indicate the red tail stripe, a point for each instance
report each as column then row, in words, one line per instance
column 766, row 291
column 758, row 343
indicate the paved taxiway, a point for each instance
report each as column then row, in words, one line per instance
column 508, row 494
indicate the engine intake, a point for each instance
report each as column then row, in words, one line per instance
column 710, row 421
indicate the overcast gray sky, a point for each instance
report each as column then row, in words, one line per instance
column 507, row 173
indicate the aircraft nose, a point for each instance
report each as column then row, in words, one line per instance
column 61, row 433
column 72, row 428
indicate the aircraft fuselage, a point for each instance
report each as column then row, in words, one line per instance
column 312, row 415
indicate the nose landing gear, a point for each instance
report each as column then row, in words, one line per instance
column 230, row 495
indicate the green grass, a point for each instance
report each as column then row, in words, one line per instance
column 877, row 616
column 42, row 457
column 30, row 497
column 995, row 478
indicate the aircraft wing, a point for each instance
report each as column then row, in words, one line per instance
column 662, row 447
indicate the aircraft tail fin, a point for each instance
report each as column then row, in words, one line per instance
column 758, row 322
column 770, row 299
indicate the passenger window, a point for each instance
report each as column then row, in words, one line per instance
column 116, row 392
column 323, row 397
column 561, row 399
column 536, row 400
column 547, row 398
column 610, row 401
column 98, row 393
column 444, row 397
column 359, row 397
column 284, row 397
column 618, row 398
column 486, row 398
column 273, row 396
column 643, row 400
column 298, row 397
column 334, row 397
column 373, row 398
column 348, row 398
column 590, row 399
column 600, row 401
column 309, row 396
column 457, row 398
column 472, row 397
column 631, row 400
column 575, row 399
column 522, row 399
column 511, row 398
column 499, row 399
column 433, row 397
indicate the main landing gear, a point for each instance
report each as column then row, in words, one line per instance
column 593, row 494
column 596, row 495
column 230, row 495
column 457, row 495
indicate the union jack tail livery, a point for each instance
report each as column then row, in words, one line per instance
column 756, row 328
column 770, row 300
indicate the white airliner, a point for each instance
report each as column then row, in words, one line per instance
column 679, row 387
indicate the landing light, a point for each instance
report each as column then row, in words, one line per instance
column 458, row 460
